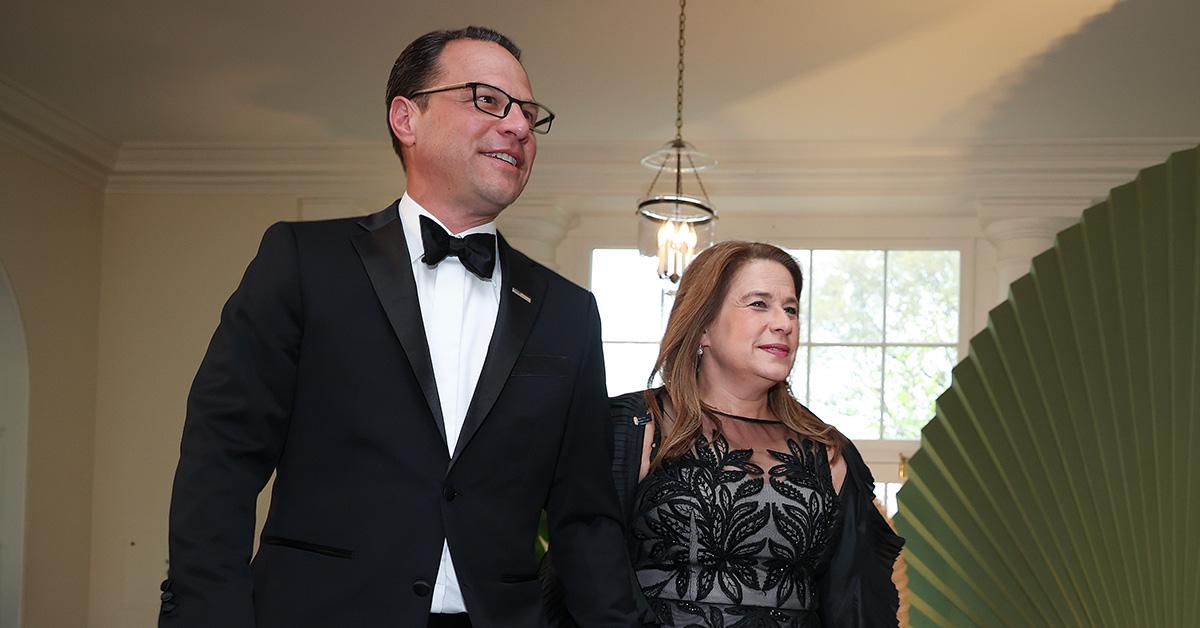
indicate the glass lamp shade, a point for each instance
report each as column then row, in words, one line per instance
column 674, row 229
column 678, row 156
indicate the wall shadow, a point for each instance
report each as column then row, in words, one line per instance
column 1132, row 72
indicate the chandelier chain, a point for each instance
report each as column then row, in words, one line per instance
column 682, row 222
column 679, row 82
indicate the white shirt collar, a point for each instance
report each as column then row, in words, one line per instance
column 410, row 218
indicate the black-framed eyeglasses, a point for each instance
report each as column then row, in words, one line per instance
column 496, row 102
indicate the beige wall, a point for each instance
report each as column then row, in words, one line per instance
column 50, row 248
column 169, row 263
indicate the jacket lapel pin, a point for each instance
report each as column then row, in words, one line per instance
column 522, row 295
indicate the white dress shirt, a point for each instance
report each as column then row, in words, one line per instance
column 458, row 310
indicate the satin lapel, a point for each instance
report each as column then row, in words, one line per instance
column 384, row 253
column 514, row 321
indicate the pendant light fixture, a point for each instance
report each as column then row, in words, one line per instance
column 675, row 225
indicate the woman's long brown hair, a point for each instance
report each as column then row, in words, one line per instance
column 702, row 290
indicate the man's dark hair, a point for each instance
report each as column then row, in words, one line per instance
column 417, row 67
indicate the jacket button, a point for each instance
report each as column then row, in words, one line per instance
column 166, row 584
column 166, row 596
column 167, row 607
column 422, row 588
column 449, row 493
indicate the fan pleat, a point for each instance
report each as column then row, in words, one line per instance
column 1059, row 481
column 1001, row 564
column 961, row 539
column 1154, row 210
column 1118, row 427
column 1040, row 305
column 1133, row 403
column 1108, row 452
column 1013, row 514
column 1068, row 306
column 1184, row 192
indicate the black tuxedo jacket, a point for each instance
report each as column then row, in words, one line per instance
column 319, row 371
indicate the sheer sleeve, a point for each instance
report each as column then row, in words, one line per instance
column 855, row 584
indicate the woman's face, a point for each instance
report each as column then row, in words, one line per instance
column 752, row 341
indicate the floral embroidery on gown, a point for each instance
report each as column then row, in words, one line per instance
column 717, row 542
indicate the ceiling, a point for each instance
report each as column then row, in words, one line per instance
column 274, row 71
column 923, row 106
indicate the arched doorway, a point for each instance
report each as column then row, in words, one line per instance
column 14, row 439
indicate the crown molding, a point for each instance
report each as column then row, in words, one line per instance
column 952, row 173
column 1041, row 229
column 305, row 169
column 1051, row 207
column 1038, row 177
column 51, row 136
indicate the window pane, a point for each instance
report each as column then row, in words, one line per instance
column 914, row 378
column 627, row 365
column 922, row 295
column 892, row 506
column 845, row 389
column 629, row 294
column 847, row 296
column 885, row 492
column 804, row 258
column 881, row 492
column 799, row 377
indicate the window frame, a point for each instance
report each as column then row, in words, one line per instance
column 884, row 457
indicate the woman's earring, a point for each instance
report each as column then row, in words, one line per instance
column 700, row 351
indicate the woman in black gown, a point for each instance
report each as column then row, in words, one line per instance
column 743, row 507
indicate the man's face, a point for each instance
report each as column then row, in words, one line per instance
column 460, row 157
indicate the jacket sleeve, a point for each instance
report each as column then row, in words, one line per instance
column 237, row 418
column 856, row 585
column 628, row 442
column 586, row 533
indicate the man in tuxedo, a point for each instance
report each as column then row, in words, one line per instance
column 421, row 390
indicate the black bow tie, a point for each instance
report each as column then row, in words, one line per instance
column 477, row 252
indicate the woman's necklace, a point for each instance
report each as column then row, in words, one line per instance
column 742, row 418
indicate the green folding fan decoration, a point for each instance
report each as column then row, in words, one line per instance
column 1059, row 482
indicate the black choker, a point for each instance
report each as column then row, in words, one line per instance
column 743, row 418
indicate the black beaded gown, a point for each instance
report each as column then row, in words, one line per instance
column 732, row 533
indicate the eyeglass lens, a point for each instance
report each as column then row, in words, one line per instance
column 492, row 101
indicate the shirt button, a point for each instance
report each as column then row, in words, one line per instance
column 422, row 588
